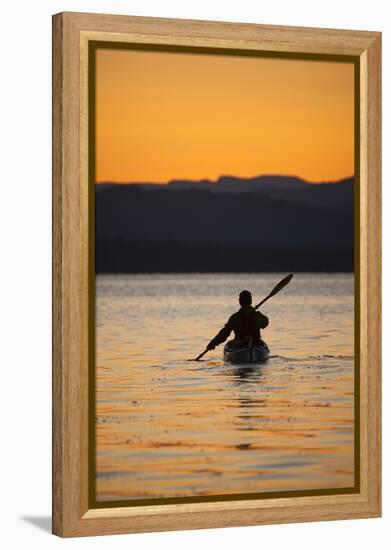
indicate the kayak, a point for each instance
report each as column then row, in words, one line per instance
column 246, row 354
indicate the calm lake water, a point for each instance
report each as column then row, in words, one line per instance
column 167, row 427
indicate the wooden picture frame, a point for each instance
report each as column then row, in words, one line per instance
column 73, row 250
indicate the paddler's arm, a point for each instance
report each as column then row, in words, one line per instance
column 221, row 336
column 262, row 320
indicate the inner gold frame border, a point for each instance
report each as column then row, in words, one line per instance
column 75, row 512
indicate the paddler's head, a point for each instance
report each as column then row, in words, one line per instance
column 245, row 298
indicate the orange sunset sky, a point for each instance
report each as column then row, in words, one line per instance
column 162, row 116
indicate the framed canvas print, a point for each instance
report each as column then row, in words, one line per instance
column 216, row 274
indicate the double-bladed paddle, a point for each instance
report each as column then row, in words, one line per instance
column 276, row 289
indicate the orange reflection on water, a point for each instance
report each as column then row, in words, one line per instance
column 168, row 427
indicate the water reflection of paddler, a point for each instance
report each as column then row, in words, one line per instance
column 245, row 323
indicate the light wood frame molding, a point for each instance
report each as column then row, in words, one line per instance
column 72, row 32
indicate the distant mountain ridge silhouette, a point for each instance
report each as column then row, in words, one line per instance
column 233, row 224
column 226, row 183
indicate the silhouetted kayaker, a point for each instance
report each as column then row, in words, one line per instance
column 246, row 324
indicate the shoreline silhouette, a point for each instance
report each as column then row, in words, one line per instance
column 277, row 224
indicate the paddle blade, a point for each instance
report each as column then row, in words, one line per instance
column 281, row 285
column 199, row 357
column 276, row 289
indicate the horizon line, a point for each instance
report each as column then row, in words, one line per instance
column 215, row 181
